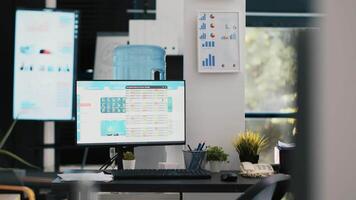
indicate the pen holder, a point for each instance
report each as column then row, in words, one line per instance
column 194, row 160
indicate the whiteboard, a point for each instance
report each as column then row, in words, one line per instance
column 104, row 53
column 218, row 41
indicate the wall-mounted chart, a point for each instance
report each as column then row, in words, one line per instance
column 218, row 41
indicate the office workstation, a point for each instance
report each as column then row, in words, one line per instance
column 167, row 99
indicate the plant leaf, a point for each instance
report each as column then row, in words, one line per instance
column 14, row 156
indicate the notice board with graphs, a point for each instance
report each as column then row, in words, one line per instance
column 218, row 41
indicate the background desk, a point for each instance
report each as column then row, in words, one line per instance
column 213, row 185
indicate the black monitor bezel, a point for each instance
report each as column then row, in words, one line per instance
column 133, row 143
column 75, row 63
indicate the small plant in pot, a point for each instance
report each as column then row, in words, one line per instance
column 249, row 146
column 128, row 160
column 216, row 157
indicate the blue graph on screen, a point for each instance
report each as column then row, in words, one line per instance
column 209, row 61
column 203, row 26
column 203, row 17
column 208, row 44
column 203, row 36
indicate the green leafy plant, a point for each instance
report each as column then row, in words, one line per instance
column 19, row 159
column 216, row 153
column 8, row 133
column 128, row 155
column 249, row 144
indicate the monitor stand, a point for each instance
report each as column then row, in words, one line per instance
column 120, row 151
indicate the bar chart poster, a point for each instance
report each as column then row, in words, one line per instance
column 218, row 42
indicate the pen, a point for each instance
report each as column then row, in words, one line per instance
column 189, row 147
column 198, row 148
column 201, row 148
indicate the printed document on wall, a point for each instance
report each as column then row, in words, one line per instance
column 218, row 41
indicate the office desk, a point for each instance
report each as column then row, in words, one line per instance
column 213, row 185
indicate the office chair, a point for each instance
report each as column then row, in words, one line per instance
column 25, row 191
column 270, row 188
column 11, row 183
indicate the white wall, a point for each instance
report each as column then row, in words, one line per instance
column 334, row 143
column 166, row 31
column 49, row 127
column 215, row 102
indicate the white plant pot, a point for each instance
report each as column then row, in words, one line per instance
column 128, row 164
column 215, row 166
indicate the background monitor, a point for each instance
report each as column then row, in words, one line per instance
column 130, row 112
column 44, row 64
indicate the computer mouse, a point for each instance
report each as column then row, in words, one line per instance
column 229, row 177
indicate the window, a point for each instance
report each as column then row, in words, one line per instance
column 270, row 84
column 271, row 66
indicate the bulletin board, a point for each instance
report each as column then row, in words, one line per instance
column 218, row 41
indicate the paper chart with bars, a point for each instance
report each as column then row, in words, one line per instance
column 218, row 41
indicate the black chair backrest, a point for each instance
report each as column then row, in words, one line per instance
column 270, row 188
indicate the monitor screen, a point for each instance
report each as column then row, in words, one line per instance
column 130, row 112
column 44, row 64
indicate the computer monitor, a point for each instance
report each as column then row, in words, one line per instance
column 130, row 112
column 44, row 64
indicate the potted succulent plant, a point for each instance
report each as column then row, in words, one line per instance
column 249, row 145
column 128, row 160
column 216, row 157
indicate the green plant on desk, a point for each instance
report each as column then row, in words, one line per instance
column 128, row 160
column 128, row 155
column 216, row 153
column 216, row 157
column 249, row 145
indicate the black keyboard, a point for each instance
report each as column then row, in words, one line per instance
column 160, row 174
